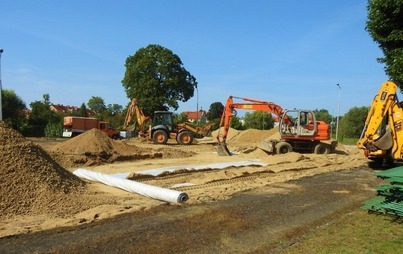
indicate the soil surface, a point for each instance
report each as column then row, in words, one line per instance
column 232, row 209
column 255, row 221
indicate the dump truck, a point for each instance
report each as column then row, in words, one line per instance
column 73, row 125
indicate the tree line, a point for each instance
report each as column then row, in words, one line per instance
column 158, row 79
column 42, row 121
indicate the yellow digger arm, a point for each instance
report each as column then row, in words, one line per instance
column 383, row 103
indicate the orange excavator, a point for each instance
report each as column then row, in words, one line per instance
column 299, row 130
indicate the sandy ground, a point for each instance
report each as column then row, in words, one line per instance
column 99, row 201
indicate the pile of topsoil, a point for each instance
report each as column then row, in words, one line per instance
column 94, row 147
column 251, row 136
column 254, row 136
column 31, row 181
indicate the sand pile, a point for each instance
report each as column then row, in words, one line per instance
column 94, row 147
column 31, row 181
column 253, row 135
column 249, row 135
column 91, row 143
column 232, row 133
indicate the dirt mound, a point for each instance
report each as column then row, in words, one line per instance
column 91, row 143
column 249, row 135
column 253, row 135
column 232, row 133
column 94, row 147
column 31, row 181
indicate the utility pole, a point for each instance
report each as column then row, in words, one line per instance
column 338, row 112
column 1, row 88
column 197, row 106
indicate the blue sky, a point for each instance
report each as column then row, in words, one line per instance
column 292, row 53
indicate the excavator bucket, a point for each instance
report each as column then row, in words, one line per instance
column 386, row 141
column 222, row 149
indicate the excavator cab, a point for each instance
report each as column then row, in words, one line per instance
column 162, row 127
column 297, row 123
column 163, row 118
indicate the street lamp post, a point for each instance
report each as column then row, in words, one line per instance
column 1, row 107
column 338, row 112
column 197, row 106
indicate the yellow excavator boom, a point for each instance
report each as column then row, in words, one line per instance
column 135, row 111
column 382, row 135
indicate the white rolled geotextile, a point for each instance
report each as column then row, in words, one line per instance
column 222, row 165
column 150, row 191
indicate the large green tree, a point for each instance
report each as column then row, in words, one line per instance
column 13, row 107
column 114, row 115
column 323, row 115
column 42, row 120
column 215, row 111
column 82, row 111
column 236, row 123
column 157, row 78
column 352, row 123
column 41, row 114
column 97, row 104
column 114, row 109
column 385, row 25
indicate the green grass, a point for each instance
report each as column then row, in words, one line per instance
column 356, row 232
column 347, row 141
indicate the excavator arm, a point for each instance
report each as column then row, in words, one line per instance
column 135, row 111
column 204, row 131
column 247, row 104
column 382, row 130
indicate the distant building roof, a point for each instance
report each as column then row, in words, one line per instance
column 195, row 115
column 63, row 109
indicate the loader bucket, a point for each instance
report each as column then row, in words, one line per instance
column 385, row 142
column 222, row 149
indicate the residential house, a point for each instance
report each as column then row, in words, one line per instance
column 196, row 116
column 66, row 110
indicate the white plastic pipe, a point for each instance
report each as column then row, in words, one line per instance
column 150, row 191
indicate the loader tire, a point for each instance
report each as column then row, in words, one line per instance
column 283, row 147
column 185, row 138
column 160, row 137
column 375, row 163
column 322, row 149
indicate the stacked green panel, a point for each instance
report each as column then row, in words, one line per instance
column 390, row 196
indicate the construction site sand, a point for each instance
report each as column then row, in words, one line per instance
column 39, row 192
column 94, row 147
column 33, row 183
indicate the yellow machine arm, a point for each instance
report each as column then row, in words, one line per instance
column 141, row 119
column 382, row 133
